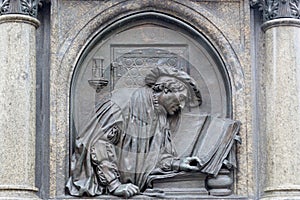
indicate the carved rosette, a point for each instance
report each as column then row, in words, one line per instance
column 25, row 7
column 274, row 9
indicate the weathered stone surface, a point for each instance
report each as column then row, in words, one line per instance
column 17, row 101
column 282, row 115
column 75, row 23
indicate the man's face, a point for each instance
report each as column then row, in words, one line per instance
column 173, row 101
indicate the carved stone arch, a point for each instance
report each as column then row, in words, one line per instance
column 120, row 54
column 99, row 21
column 167, row 20
column 83, row 37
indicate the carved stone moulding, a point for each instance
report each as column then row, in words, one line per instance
column 281, row 22
column 25, row 7
column 19, row 19
column 274, row 9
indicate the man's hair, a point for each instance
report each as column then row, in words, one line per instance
column 170, row 84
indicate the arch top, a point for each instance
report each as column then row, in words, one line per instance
column 86, row 35
column 151, row 32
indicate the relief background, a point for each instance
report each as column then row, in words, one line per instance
column 74, row 24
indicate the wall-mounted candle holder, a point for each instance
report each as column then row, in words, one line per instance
column 98, row 81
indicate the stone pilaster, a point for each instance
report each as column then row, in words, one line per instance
column 280, row 98
column 17, row 99
column 282, row 101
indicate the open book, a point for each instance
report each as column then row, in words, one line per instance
column 209, row 138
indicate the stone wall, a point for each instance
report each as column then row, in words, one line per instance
column 38, row 60
column 74, row 24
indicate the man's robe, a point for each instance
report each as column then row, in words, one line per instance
column 131, row 142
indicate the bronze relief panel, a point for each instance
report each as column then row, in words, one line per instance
column 150, row 115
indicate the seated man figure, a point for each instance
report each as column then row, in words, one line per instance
column 123, row 146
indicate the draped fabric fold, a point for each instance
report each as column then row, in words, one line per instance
column 140, row 137
column 132, row 143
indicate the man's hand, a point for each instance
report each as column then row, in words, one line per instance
column 190, row 164
column 126, row 190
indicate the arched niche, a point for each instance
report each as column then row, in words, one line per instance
column 119, row 56
column 145, row 32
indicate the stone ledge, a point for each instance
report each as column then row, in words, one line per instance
column 18, row 194
column 18, row 18
column 18, row 187
column 281, row 22
column 288, row 192
column 231, row 197
column 281, row 197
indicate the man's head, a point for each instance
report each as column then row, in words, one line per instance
column 172, row 94
column 174, row 88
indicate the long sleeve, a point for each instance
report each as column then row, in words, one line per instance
column 94, row 153
column 168, row 153
column 104, row 158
